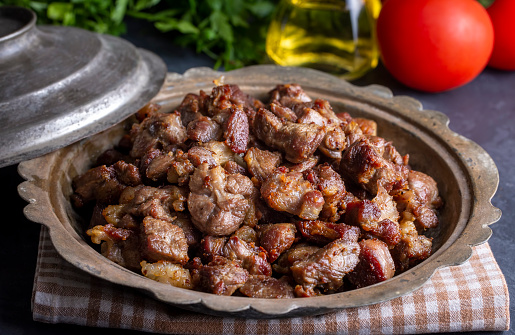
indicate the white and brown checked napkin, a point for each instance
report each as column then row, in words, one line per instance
column 472, row 296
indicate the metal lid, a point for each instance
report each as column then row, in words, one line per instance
column 61, row 84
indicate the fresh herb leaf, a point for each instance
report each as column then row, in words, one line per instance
column 230, row 31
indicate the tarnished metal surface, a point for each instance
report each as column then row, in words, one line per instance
column 62, row 84
column 466, row 175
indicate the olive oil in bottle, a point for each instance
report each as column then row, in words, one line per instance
column 335, row 36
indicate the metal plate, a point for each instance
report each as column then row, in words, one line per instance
column 62, row 84
column 466, row 175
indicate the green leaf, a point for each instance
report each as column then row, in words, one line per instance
column 152, row 17
column 38, row 6
column 118, row 13
column 187, row 27
column 221, row 25
column 215, row 5
column 144, row 4
column 69, row 19
column 57, row 10
column 238, row 21
column 209, row 34
column 168, row 25
column 261, row 9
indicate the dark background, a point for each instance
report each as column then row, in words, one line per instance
column 483, row 111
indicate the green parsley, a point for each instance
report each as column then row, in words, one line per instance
column 230, row 31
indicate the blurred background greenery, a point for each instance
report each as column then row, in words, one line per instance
column 232, row 32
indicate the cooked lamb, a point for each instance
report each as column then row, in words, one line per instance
column 104, row 184
column 157, row 131
column 261, row 163
column 297, row 140
column 217, row 203
column 252, row 260
column 326, row 267
column 222, row 276
column 277, row 199
column 289, row 192
column 322, row 232
column 375, row 264
column 276, row 238
column 259, row 286
column 162, row 240
column 331, row 185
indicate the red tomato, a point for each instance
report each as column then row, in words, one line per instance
column 434, row 45
column 502, row 13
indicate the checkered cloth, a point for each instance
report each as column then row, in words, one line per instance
column 472, row 296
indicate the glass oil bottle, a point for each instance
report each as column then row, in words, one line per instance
column 335, row 36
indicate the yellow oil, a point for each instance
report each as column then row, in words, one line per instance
column 329, row 35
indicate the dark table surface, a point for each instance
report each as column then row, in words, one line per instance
column 483, row 111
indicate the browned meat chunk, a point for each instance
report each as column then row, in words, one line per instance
column 261, row 163
column 159, row 131
column 146, row 111
column 159, row 203
column 227, row 96
column 298, row 141
column 377, row 218
column 387, row 150
column 204, row 129
column 363, row 163
column 289, row 92
column 218, row 202
column 375, row 264
column 282, row 112
column 421, row 199
column 118, row 245
column 266, row 287
column 331, row 185
column 104, row 184
column 304, row 166
column 222, row 153
column 222, row 276
column 253, row 260
column 232, row 168
column 236, row 132
column 192, row 107
column 322, row 232
column 386, row 205
column 181, row 169
column 212, row 246
column 425, row 188
column 247, row 234
column 368, row 127
column 276, row 238
column 290, row 192
column 413, row 247
column 351, row 128
column 199, row 155
column 162, row 240
column 296, row 253
column 326, row 267
column 193, row 236
column 155, row 164
column 334, row 141
column 291, row 103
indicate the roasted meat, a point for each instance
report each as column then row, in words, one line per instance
column 281, row 198
column 218, row 201
column 289, row 192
